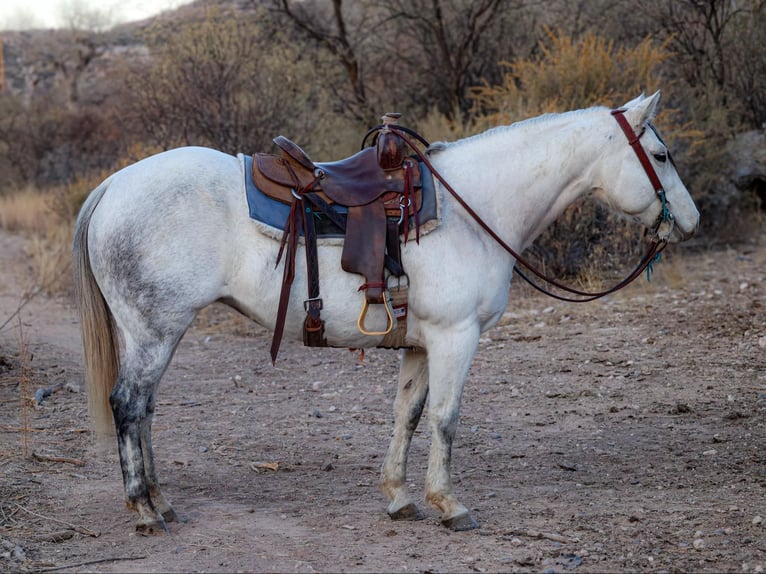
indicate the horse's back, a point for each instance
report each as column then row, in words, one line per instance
column 163, row 227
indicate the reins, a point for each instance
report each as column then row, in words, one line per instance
column 653, row 252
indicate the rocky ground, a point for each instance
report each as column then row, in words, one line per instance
column 621, row 435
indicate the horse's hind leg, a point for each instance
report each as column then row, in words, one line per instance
column 153, row 484
column 132, row 403
column 408, row 406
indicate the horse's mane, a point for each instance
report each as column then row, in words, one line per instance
column 522, row 124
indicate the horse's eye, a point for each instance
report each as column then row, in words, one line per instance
column 661, row 157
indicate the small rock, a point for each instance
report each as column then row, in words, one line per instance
column 711, row 452
column 762, row 342
column 71, row 387
column 757, row 521
column 18, row 554
column 698, row 544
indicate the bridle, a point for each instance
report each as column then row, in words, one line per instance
column 665, row 218
column 660, row 233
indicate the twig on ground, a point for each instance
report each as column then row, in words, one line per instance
column 546, row 535
column 89, row 562
column 80, row 529
column 46, row 458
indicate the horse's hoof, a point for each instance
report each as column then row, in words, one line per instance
column 170, row 515
column 152, row 527
column 407, row 512
column 460, row 522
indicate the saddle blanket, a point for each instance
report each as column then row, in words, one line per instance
column 271, row 214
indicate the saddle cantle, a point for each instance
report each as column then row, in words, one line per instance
column 372, row 197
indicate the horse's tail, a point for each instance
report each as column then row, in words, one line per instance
column 99, row 337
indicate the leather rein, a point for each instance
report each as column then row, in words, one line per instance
column 654, row 250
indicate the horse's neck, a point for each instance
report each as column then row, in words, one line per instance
column 521, row 178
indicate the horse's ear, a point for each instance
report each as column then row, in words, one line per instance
column 642, row 110
column 634, row 101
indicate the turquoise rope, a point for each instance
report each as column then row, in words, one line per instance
column 665, row 216
column 665, row 212
column 650, row 268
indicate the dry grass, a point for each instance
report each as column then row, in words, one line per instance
column 46, row 219
column 27, row 211
column 50, row 252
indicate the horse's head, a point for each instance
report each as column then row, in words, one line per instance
column 640, row 176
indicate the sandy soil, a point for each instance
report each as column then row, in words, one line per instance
column 620, row 435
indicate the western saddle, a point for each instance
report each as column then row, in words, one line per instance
column 372, row 198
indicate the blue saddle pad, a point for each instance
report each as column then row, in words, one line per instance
column 274, row 213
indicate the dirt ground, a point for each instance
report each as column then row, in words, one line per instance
column 622, row 435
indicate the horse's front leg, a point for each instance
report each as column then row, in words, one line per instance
column 408, row 406
column 449, row 359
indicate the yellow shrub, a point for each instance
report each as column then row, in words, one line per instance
column 570, row 74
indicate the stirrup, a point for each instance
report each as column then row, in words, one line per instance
column 363, row 315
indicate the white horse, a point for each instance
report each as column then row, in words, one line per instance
column 163, row 238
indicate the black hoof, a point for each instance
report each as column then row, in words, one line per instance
column 152, row 528
column 408, row 512
column 461, row 522
column 170, row 515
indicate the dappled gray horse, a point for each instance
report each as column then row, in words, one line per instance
column 163, row 238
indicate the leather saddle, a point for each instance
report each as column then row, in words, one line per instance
column 380, row 192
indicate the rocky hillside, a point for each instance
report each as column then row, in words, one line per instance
column 73, row 63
